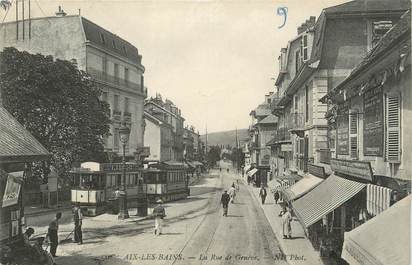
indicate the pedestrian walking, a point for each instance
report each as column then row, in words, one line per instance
column 225, row 202
column 237, row 186
column 53, row 234
column 276, row 196
column 232, row 193
column 159, row 213
column 286, row 224
column 227, row 170
column 78, row 221
column 263, row 194
column 248, row 180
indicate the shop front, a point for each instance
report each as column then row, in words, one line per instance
column 329, row 210
column 18, row 150
column 372, row 244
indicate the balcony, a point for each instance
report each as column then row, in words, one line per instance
column 325, row 156
column 283, row 134
column 274, row 104
column 101, row 76
column 116, row 115
column 127, row 117
column 297, row 123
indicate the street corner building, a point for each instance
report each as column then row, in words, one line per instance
column 340, row 150
column 18, row 150
column 113, row 63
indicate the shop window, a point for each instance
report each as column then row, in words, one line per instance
column 393, row 124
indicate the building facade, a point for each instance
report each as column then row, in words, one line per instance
column 172, row 136
column 111, row 61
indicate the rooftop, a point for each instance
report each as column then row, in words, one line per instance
column 17, row 144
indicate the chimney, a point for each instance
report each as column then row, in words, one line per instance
column 307, row 24
column 61, row 12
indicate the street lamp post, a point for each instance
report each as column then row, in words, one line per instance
column 124, row 133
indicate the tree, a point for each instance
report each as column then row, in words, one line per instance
column 58, row 104
column 213, row 155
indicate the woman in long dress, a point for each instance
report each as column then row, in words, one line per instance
column 286, row 224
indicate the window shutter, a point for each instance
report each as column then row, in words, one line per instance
column 304, row 48
column 353, row 135
column 393, row 149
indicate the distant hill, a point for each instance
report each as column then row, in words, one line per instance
column 226, row 137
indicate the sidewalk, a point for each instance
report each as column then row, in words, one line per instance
column 35, row 210
column 299, row 245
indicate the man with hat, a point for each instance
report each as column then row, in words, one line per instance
column 224, row 200
column 159, row 213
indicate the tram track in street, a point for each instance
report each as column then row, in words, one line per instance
column 211, row 202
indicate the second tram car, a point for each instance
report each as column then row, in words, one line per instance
column 168, row 181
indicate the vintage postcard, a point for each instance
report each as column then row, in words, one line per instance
column 205, row 132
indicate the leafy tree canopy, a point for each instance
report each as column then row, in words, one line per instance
column 213, row 155
column 58, row 104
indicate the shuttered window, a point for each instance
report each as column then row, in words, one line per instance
column 393, row 124
column 353, row 135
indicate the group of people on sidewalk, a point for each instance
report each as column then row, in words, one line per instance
column 285, row 213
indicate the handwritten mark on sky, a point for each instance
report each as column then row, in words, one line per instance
column 283, row 11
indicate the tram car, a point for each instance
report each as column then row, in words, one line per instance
column 168, row 181
column 95, row 184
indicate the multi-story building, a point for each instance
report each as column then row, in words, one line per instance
column 261, row 132
column 111, row 61
column 345, row 154
column 369, row 112
column 322, row 55
column 191, row 143
column 157, row 136
column 168, row 113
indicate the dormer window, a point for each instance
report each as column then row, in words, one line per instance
column 304, row 48
column 114, row 44
column 376, row 31
column 102, row 39
column 124, row 49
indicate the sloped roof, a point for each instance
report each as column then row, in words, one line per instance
column 17, row 144
column 262, row 110
column 391, row 38
column 358, row 6
column 152, row 118
column 270, row 119
column 122, row 47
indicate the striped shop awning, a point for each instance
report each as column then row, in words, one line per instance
column 326, row 197
column 377, row 199
column 252, row 172
column 302, row 187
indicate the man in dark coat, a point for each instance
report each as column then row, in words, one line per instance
column 225, row 202
column 276, row 196
column 78, row 220
column 263, row 194
column 53, row 234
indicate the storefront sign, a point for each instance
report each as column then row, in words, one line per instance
column 317, row 171
column 373, row 122
column 358, row 169
column 286, row 148
column 119, row 167
column 343, row 130
column 11, row 192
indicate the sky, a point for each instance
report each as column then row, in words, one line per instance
column 214, row 59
